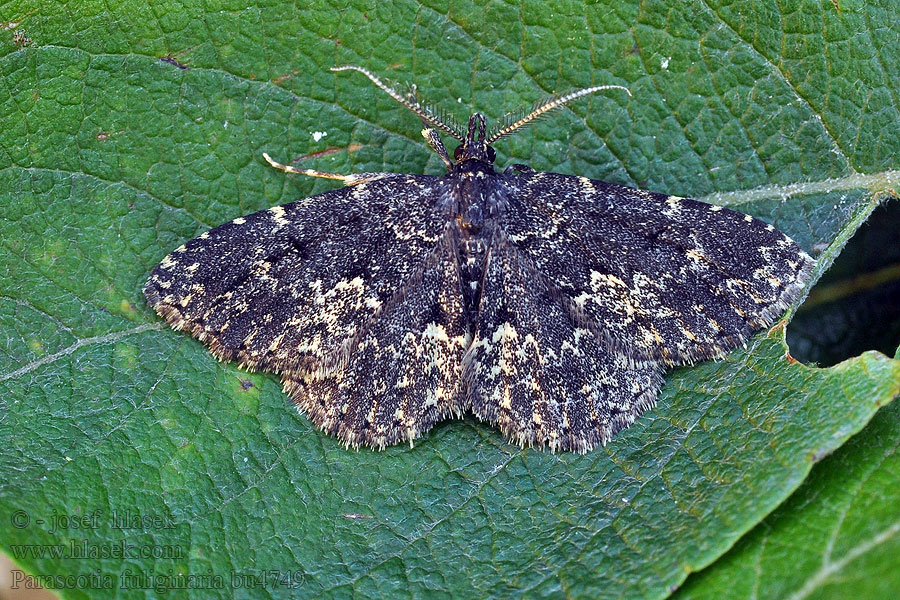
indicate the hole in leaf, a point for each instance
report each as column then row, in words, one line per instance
column 856, row 305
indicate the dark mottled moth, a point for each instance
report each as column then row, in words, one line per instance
column 544, row 303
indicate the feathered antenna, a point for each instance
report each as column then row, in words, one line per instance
column 511, row 121
column 436, row 119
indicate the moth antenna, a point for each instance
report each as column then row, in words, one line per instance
column 543, row 107
column 413, row 93
column 436, row 112
column 444, row 117
column 409, row 101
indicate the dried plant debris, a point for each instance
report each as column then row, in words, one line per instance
column 543, row 303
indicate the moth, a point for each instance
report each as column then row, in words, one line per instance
column 546, row 304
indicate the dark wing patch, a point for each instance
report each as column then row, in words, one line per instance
column 282, row 289
column 400, row 375
column 537, row 374
column 664, row 279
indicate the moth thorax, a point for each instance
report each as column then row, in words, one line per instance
column 471, row 218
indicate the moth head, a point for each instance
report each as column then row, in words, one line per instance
column 474, row 147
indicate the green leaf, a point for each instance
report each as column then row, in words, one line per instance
column 838, row 536
column 111, row 155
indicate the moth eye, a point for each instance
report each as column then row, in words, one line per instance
column 491, row 155
column 458, row 152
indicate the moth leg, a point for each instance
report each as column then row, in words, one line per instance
column 353, row 179
column 431, row 136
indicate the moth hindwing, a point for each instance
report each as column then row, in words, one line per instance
column 543, row 303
